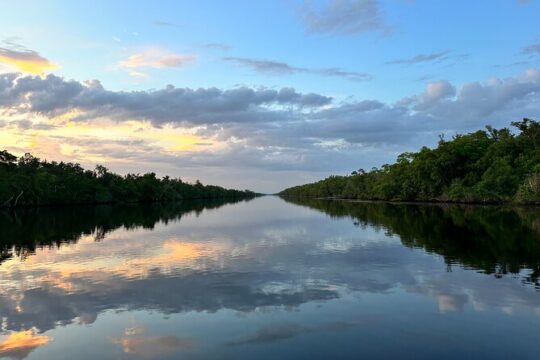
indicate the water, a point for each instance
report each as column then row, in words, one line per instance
column 267, row 279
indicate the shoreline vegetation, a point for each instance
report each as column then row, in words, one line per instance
column 487, row 166
column 30, row 182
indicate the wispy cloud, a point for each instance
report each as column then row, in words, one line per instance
column 28, row 61
column 271, row 334
column 421, row 58
column 265, row 66
column 158, row 59
column 533, row 49
column 138, row 75
column 282, row 68
column 279, row 332
column 344, row 17
column 217, row 46
column 158, row 22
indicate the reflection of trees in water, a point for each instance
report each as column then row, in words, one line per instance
column 495, row 240
column 23, row 231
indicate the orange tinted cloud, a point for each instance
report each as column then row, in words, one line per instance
column 27, row 61
column 151, row 346
column 20, row 344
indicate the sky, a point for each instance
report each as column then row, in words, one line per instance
column 259, row 94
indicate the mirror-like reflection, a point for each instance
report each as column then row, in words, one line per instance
column 267, row 278
column 22, row 231
column 497, row 240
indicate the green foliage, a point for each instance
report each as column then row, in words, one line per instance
column 530, row 189
column 494, row 165
column 29, row 181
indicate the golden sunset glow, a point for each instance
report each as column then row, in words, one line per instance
column 20, row 344
column 26, row 61
column 71, row 140
column 134, row 342
column 152, row 346
column 174, row 253
column 61, row 268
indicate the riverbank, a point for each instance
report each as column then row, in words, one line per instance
column 487, row 166
column 29, row 181
column 419, row 202
column 132, row 204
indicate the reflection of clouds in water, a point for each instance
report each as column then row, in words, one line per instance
column 103, row 263
column 271, row 334
column 451, row 302
column 45, row 307
column 18, row 345
column 460, row 287
column 278, row 332
column 145, row 346
column 206, row 264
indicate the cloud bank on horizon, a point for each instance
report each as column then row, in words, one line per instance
column 342, row 89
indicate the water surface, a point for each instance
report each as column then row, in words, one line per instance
column 269, row 279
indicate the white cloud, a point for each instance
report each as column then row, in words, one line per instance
column 158, row 59
column 344, row 17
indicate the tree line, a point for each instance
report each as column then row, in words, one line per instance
column 29, row 181
column 491, row 165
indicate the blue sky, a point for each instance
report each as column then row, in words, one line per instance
column 398, row 74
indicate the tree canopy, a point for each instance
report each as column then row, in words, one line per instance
column 492, row 165
column 29, row 181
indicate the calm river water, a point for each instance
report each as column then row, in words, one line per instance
column 270, row 279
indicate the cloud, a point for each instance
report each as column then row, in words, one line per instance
column 438, row 90
column 157, row 59
column 344, row 17
column 53, row 96
column 153, row 346
column 533, row 49
column 435, row 91
column 27, row 61
column 217, row 46
column 281, row 68
column 271, row 334
column 265, row 115
column 265, row 66
column 440, row 108
column 19, row 345
column 349, row 75
column 422, row 58
column 158, row 22
column 138, row 75
column 278, row 332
